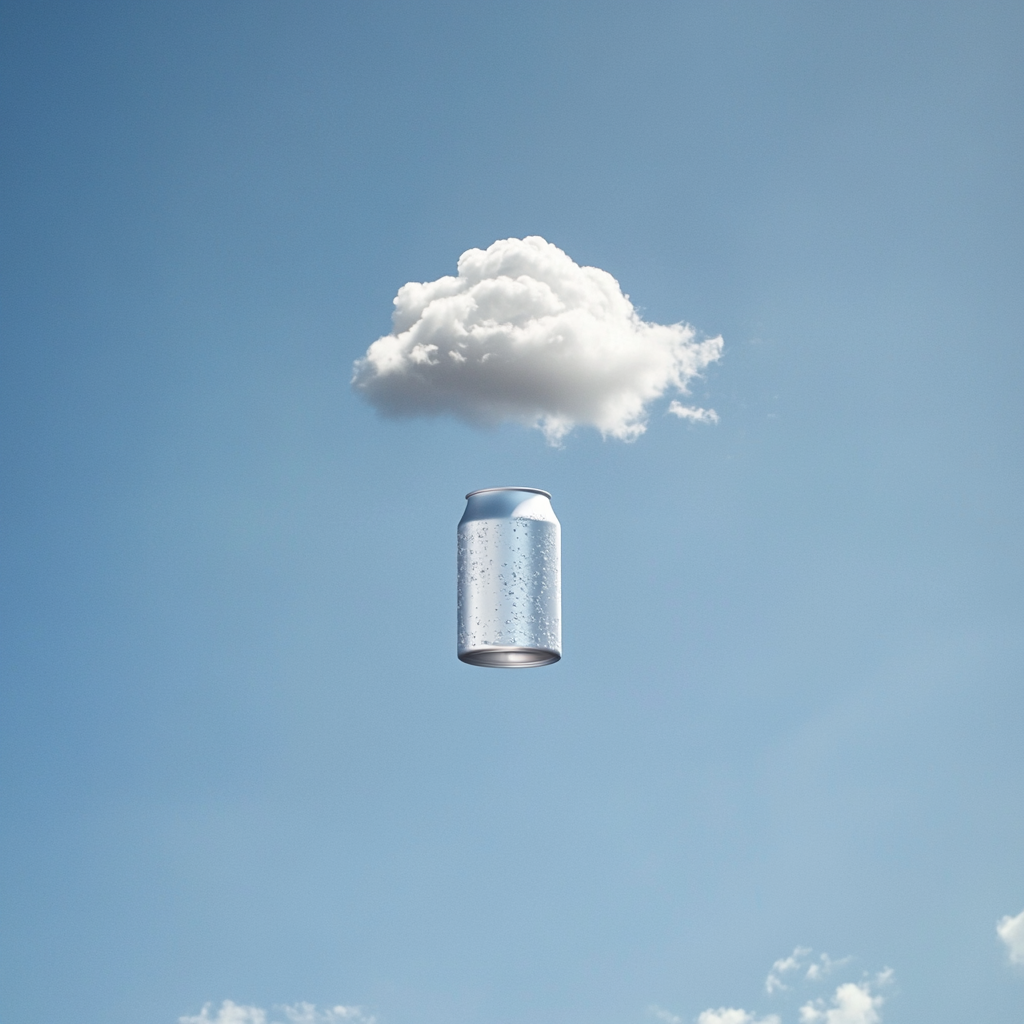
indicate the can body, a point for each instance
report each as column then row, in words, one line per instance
column 510, row 579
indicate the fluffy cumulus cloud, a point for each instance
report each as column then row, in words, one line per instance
column 852, row 1004
column 1011, row 931
column 523, row 333
column 299, row 1013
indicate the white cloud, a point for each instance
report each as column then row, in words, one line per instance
column 307, row 1013
column 852, row 1004
column 664, row 1015
column 298, row 1013
column 774, row 982
column 731, row 1016
column 525, row 334
column 692, row 413
column 1011, row 931
column 229, row 1013
column 825, row 965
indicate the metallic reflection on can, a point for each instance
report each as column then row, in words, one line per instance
column 510, row 579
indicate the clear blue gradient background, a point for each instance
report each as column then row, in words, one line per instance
column 239, row 757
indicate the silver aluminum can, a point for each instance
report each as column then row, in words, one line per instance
column 510, row 579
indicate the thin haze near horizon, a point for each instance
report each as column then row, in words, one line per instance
column 739, row 284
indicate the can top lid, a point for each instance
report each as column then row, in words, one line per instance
column 487, row 490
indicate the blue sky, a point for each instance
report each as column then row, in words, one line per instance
column 240, row 760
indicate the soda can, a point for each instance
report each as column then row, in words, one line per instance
column 510, row 579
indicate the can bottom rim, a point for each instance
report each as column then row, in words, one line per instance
column 509, row 657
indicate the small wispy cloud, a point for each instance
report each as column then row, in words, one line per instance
column 823, row 966
column 297, row 1013
column 783, row 966
column 664, row 1015
column 229, row 1013
column 851, row 1002
column 692, row 413
column 523, row 333
column 1011, row 931
column 732, row 1016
